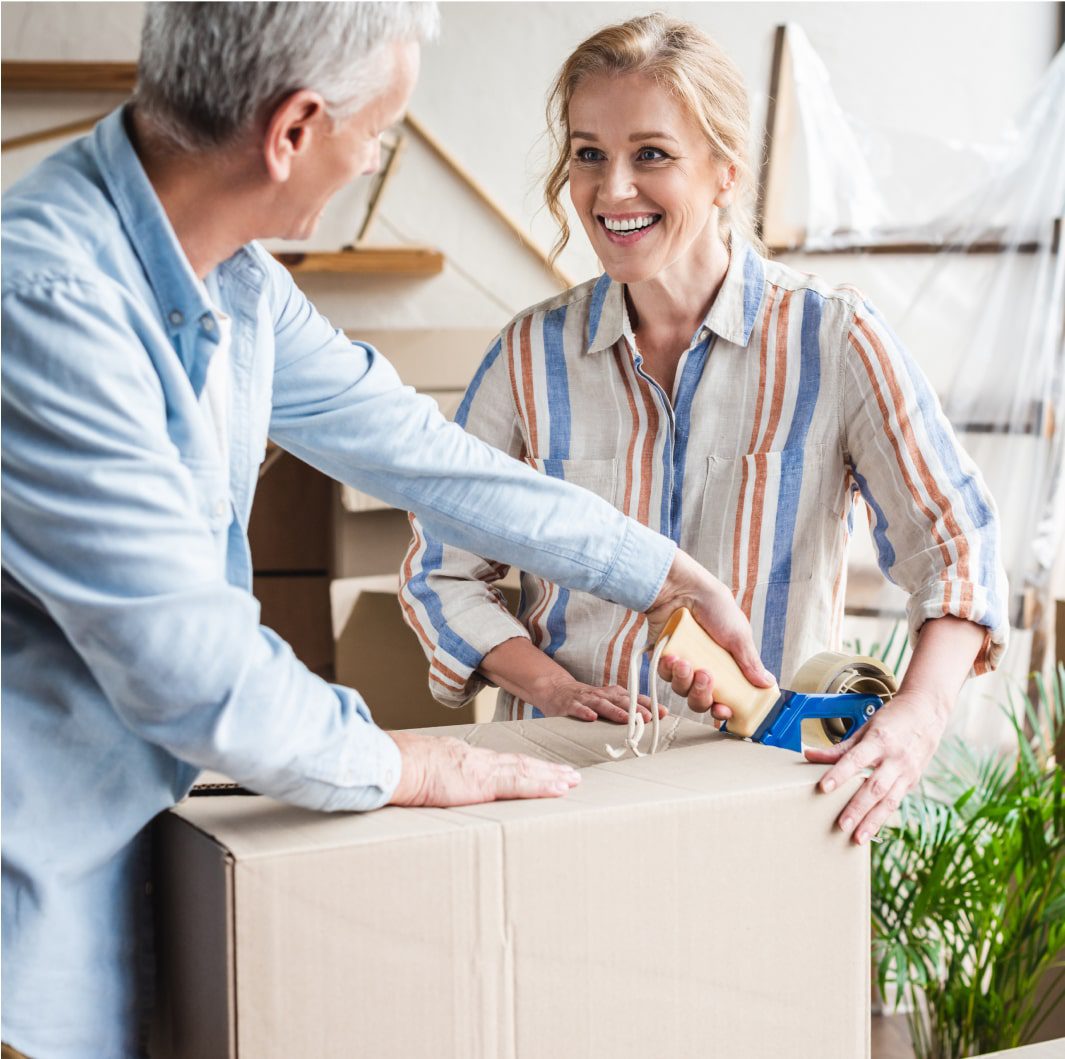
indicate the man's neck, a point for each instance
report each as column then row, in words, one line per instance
column 209, row 196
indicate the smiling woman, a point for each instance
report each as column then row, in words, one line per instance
column 725, row 400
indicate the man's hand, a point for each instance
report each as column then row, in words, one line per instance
column 441, row 771
column 689, row 585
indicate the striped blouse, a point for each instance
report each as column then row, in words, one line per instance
column 793, row 400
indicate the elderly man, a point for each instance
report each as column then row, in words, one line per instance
column 149, row 349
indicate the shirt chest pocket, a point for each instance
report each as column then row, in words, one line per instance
column 597, row 476
column 211, row 490
column 762, row 515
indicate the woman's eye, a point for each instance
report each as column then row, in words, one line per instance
column 650, row 154
column 588, row 154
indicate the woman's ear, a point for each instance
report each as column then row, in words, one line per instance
column 290, row 131
column 726, row 184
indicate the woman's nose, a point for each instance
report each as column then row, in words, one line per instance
column 618, row 184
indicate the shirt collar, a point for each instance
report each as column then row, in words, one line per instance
column 731, row 316
column 183, row 299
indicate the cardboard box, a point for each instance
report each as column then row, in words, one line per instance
column 291, row 525
column 297, row 609
column 377, row 653
column 695, row 903
column 1047, row 1050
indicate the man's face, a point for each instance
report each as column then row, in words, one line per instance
column 348, row 149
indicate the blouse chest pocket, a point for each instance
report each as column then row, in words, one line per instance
column 761, row 512
column 212, row 493
column 597, row 476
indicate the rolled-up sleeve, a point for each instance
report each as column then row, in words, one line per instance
column 448, row 594
column 104, row 525
column 934, row 522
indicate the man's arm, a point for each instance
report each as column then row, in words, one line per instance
column 105, row 525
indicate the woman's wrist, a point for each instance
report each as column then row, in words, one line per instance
column 518, row 666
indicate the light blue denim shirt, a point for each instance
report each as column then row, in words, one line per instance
column 132, row 650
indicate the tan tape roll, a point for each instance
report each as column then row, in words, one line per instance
column 832, row 672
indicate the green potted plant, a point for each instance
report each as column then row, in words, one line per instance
column 969, row 891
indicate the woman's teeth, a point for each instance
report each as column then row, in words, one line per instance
column 630, row 224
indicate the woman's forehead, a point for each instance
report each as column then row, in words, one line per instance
column 629, row 104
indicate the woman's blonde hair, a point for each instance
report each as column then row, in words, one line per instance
column 686, row 62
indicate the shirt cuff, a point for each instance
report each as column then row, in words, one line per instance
column 364, row 769
column 639, row 569
column 453, row 682
column 971, row 602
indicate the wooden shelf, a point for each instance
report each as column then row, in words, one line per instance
column 68, row 76
column 368, row 260
column 120, row 77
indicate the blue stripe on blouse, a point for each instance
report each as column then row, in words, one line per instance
column 595, row 309
column 753, row 285
column 454, row 644
column 694, row 364
column 558, row 404
column 791, row 471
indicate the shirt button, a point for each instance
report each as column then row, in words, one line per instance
column 207, row 322
column 177, row 318
column 219, row 507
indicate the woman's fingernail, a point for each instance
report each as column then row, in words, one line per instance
column 828, row 786
column 863, row 837
column 702, row 680
column 847, row 825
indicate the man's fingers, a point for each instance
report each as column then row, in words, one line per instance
column 522, row 776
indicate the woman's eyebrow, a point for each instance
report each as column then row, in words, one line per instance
column 582, row 136
column 652, row 136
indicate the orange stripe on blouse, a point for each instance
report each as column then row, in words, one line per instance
column 528, row 384
column 911, row 447
column 761, row 462
column 741, row 503
column 929, row 480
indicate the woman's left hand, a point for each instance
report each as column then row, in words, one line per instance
column 897, row 743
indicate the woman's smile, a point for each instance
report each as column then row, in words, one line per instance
column 627, row 229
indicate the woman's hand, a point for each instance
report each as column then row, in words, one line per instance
column 897, row 743
column 567, row 697
column 900, row 739
column 521, row 668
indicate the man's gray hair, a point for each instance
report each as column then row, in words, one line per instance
column 207, row 71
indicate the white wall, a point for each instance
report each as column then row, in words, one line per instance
column 957, row 69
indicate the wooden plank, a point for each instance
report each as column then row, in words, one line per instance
column 378, row 260
column 779, row 145
column 54, row 132
column 984, row 247
column 482, row 193
column 18, row 76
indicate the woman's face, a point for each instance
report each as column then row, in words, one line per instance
column 642, row 178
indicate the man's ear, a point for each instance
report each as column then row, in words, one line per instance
column 290, row 129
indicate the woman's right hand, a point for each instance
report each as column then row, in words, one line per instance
column 533, row 677
column 565, row 697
